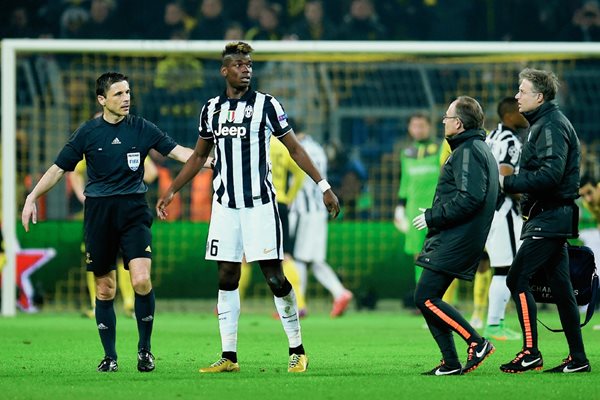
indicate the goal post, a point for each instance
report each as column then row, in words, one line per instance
column 319, row 82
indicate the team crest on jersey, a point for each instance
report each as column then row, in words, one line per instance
column 248, row 111
column 133, row 160
column 230, row 115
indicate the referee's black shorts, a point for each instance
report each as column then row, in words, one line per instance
column 112, row 223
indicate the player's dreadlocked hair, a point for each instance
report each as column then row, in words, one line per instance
column 234, row 48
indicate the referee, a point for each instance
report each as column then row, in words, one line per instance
column 116, row 216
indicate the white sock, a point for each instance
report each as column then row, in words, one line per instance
column 303, row 274
column 288, row 314
column 498, row 298
column 228, row 308
column 327, row 277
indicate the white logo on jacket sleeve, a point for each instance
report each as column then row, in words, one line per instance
column 133, row 160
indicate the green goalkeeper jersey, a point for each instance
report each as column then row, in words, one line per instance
column 420, row 169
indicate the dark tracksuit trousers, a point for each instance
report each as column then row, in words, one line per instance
column 442, row 319
column 549, row 254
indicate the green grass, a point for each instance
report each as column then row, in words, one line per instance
column 360, row 356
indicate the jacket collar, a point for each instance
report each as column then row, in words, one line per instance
column 462, row 137
column 545, row 108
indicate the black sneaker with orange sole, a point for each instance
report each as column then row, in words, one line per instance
column 476, row 353
column 526, row 360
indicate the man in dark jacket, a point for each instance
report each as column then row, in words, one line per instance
column 549, row 181
column 458, row 221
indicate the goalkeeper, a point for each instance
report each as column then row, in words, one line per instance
column 419, row 171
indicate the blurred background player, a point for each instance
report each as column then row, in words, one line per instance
column 77, row 179
column 287, row 178
column 419, row 172
column 308, row 229
column 504, row 238
column 589, row 190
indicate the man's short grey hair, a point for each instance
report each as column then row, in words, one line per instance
column 470, row 113
column 544, row 82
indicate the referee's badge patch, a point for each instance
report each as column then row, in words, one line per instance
column 248, row 111
column 133, row 160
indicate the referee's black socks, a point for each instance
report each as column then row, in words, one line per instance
column 144, row 314
column 107, row 326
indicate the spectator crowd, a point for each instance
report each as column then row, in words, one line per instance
column 509, row 20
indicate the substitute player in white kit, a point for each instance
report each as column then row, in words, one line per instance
column 504, row 238
column 308, row 231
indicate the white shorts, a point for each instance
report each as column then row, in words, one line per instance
column 254, row 232
column 591, row 238
column 309, row 234
column 502, row 241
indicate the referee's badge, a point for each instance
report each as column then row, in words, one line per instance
column 248, row 111
column 133, row 160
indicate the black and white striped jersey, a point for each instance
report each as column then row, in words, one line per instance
column 241, row 130
column 505, row 146
column 310, row 197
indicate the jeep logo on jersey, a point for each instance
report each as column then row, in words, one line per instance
column 232, row 130
column 133, row 160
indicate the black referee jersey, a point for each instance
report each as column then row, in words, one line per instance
column 241, row 130
column 114, row 154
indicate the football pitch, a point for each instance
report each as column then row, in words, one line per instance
column 364, row 355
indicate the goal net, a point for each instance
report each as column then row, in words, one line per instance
column 353, row 97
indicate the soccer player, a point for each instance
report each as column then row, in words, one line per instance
column 116, row 214
column 458, row 223
column 503, row 240
column 308, row 227
column 245, row 219
column 548, row 180
column 287, row 179
column 589, row 190
column 419, row 172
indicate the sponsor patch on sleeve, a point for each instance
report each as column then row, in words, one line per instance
column 282, row 117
